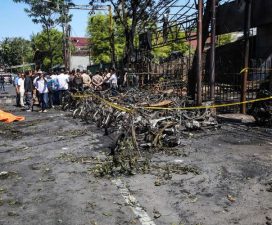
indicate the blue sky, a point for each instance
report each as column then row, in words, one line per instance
column 14, row 22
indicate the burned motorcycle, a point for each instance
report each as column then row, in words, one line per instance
column 262, row 110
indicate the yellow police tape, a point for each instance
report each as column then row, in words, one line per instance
column 113, row 105
column 259, row 69
column 209, row 106
column 130, row 110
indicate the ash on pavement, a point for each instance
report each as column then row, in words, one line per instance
column 46, row 178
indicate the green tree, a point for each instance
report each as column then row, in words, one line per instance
column 98, row 31
column 15, row 51
column 224, row 39
column 53, row 50
column 130, row 14
column 49, row 14
column 177, row 43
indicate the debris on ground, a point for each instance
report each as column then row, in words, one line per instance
column 231, row 198
column 156, row 214
column 8, row 131
column 60, row 171
column 141, row 127
column 4, row 175
column 12, row 213
column 268, row 184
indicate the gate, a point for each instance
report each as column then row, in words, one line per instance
column 228, row 86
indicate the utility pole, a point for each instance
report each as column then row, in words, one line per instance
column 199, row 52
column 212, row 51
column 23, row 58
column 64, row 7
column 246, row 56
column 65, row 12
column 111, row 37
column 111, row 28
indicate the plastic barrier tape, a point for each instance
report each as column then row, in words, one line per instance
column 209, row 106
column 122, row 108
column 113, row 105
column 258, row 69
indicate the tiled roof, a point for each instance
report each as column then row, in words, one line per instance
column 79, row 41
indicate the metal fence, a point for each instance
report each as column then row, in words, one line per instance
column 173, row 74
column 228, row 86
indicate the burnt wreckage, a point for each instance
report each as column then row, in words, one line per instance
column 252, row 54
column 220, row 72
column 156, row 117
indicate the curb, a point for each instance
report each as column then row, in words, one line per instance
column 236, row 117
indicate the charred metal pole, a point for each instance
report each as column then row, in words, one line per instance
column 212, row 51
column 247, row 48
column 199, row 52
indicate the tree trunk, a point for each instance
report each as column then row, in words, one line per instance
column 130, row 48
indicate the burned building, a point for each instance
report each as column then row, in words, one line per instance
column 231, row 17
column 250, row 53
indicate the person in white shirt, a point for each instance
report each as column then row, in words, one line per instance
column 107, row 75
column 41, row 86
column 21, row 87
column 113, row 82
column 63, row 82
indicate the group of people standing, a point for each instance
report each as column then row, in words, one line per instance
column 48, row 89
column 31, row 88
column 97, row 81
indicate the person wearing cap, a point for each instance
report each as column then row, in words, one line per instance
column 41, row 86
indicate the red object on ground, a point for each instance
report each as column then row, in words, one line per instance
column 9, row 118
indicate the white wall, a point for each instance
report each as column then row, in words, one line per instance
column 79, row 62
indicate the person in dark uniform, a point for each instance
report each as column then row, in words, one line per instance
column 29, row 91
column 78, row 81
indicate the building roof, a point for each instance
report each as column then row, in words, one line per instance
column 80, row 42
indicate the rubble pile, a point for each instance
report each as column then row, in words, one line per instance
column 141, row 127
